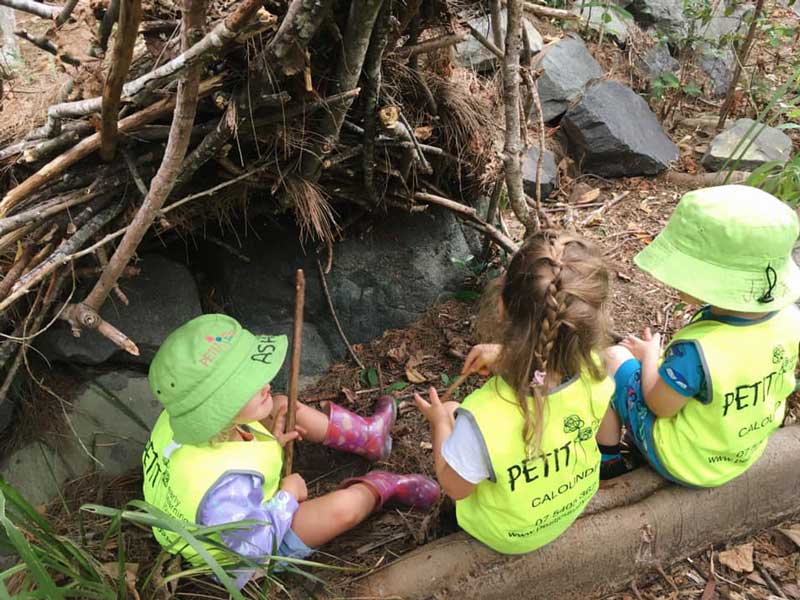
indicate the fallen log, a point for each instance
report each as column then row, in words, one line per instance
column 665, row 526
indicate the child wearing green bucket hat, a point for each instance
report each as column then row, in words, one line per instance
column 702, row 415
column 211, row 460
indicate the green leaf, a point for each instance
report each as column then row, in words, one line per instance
column 397, row 386
column 445, row 378
column 34, row 564
column 372, row 378
column 786, row 126
column 692, row 90
column 670, row 80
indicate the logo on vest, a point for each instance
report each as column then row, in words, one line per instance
column 574, row 424
column 217, row 344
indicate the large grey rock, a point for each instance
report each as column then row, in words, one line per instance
column 568, row 67
column 474, row 55
column 612, row 132
column 549, row 181
column 162, row 297
column 608, row 19
column 718, row 65
column 665, row 15
column 386, row 278
column 768, row 144
column 717, row 59
column 112, row 415
column 657, row 61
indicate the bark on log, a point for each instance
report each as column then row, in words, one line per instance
column 298, row 27
column 130, row 14
column 107, row 24
column 360, row 23
column 667, row 524
column 164, row 180
column 43, row 43
column 372, row 85
column 512, row 152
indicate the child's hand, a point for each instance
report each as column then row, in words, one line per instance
column 648, row 345
column 434, row 411
column 279, row 426
column 296, row 486
column 481, row 358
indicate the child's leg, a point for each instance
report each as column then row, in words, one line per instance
column 320, row 520
column 608, row 434
column 341, row 429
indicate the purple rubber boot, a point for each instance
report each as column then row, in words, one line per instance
column 369, row 437
column 414, row 491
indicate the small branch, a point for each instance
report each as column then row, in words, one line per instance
column 130, row 14
column 596, row 214
column 44, row 211
column 164, row 180
column 86, row 146
column 294, row 371
column 336, row 318
column 707, row 179
column 496, row 21
column 80, row 316
column 164, row 26
column 424, row 164
column 469, row 213
column 491, row 211
column 107, row 24
column 546, row 11
column 741, row 58
column 65, row 14
column 46, row 148
column 430, row 45
column 16, row 270
column 43, row 43
column 493, row 48
column 39, row 9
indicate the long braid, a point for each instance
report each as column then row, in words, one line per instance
column 543, row 347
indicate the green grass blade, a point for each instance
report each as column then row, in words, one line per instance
column 37, row 570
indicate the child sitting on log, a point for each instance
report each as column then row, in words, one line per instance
column 519, row 455
column 702, row 415
column 211, row 460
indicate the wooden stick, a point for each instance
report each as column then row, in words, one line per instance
column 130, row 15
column 335, row 318
column 453, row 386
column 433, row 44
column 35, row 8
column 294, row 373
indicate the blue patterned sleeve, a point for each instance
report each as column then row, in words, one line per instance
column 683, row 371
column 239, row 497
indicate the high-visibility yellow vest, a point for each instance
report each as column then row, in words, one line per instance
column 529, row 503
column 177, row 477
column 749, row 373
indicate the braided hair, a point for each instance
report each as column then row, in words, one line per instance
column 552, row 316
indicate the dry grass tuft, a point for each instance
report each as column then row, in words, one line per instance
column 315, row 215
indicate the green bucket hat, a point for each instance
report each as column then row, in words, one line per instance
column 207, row 370
column 730, row 246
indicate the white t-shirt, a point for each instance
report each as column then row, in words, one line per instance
column 466, row 452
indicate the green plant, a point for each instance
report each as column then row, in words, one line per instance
column 369, row 377
column 782, row 181
column 54, row 566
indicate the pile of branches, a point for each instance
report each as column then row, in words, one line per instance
column 320, row 107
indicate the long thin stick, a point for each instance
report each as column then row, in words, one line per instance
column 453, row 386
column 335, row 318
column 294, row 373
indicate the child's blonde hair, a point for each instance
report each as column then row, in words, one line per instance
column 554, row 315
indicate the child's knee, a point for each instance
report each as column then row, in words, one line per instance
column 614, row 357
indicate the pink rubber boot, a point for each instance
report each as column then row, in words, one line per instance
column 369, row 437
column 414, row 491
